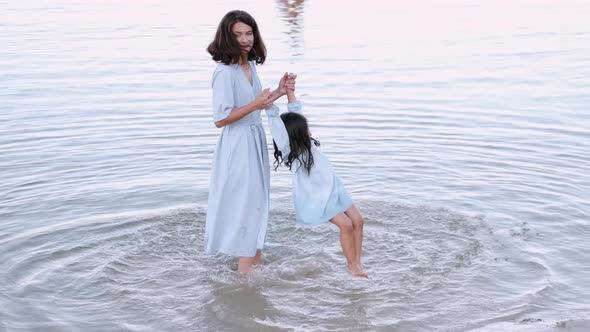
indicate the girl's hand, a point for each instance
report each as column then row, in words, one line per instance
column 291, row 88
column 290, row 84
column 264, row 99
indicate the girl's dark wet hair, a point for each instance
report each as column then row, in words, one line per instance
column 225, row 47
column 299, row 142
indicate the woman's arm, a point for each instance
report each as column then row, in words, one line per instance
column 224, row 110
column 262, row 101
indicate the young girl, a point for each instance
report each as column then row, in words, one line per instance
column 318, row 193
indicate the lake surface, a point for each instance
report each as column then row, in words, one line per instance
column 462, row 131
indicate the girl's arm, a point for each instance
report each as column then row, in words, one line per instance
column 293, row 105
column 291, row 96
column 278, row 130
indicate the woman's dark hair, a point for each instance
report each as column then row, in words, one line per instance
column 225, row 47
column 299, row 142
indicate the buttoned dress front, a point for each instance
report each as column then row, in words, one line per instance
column 320, row 195
column 238, row 203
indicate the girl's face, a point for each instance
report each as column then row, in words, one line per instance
column 245, row 36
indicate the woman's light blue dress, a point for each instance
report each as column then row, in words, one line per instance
column 318, row 196
column 237, row 210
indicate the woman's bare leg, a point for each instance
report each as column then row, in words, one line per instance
column 245, row 264
column 258, row 257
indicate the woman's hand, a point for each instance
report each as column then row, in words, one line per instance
column 264, row 99
column 286, row 82
column 282, row 89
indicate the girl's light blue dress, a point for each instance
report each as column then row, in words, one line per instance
column 237, row 210
column 320, row 195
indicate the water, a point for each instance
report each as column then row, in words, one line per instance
column 462, row 131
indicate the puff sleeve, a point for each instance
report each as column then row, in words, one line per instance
column 223, row 92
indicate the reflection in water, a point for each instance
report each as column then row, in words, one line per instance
column 292, row 11
column 239, row 305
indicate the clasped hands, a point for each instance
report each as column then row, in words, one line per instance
column 265, row 99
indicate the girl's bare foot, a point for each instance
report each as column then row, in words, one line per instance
column 358, row 272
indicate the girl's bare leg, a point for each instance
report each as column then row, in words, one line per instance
column 357, row 223
column 245, row 264
column 347, row 242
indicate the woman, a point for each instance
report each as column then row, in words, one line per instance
column 237, row 211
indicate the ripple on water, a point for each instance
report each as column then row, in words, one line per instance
column 148, row 271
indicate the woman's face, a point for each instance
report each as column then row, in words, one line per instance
column 245, row 36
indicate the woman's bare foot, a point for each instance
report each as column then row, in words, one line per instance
column 245, row 264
